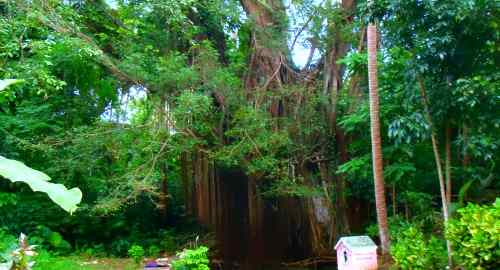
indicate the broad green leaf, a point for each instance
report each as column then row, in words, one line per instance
column 7, row 82
column 38, row 181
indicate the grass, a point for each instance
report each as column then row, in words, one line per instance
column 49, row 262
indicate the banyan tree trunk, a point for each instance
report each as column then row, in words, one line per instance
column 269, row 66
column 250, row 228
column 332, row 85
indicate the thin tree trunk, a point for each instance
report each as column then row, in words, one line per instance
column 163, row 193
column 447, row 168
column 378, row 176
column 341, row 206
column 163, row 127
column 186, row 184
column 324, row 182
column 435, row 148
column 465, row 135
column 407, row 211
column 394, row 206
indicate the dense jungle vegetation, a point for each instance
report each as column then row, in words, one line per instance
column 249, row 134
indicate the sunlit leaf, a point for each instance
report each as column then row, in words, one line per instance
column 38, row 181
column 8, row 82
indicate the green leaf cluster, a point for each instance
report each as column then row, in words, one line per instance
column 475, row 236
column 192, row 259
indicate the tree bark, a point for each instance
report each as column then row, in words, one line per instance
column 332, row 85
column 394, row 202
column 186, row 183
column 343, row 226
column 466, row 157
column 378, row 176
column 267, row 62
column 162, row 206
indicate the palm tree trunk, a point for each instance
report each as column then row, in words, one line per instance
column 378, row 176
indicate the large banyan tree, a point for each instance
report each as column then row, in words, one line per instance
column 271, row 188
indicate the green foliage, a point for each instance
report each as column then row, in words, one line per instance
column 38, row 181
column 50, row 240
column 120, row 248
column 194, row 115
column 168, row 241
column 7, row 199
column 420, row 203
column 113, row 93
column 288, row 187
column 137, row 253
column 154, row 251
column 7, row 245
column 192, row 259
column 256, row 145
column 95, row 251
column 47, row 261
column 411, row 250
column 475, row 236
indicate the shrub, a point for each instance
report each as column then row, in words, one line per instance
column 120, row 248
column 475, row 236
column 94, row 251
column 136, row 252
column 411, row 250
column 192, row 259
column 154, row 251
column 168, row 241
column 7, row 243
column 51, row 240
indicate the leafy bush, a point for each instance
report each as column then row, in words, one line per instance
column 475, row 236
column 94, row 251
column 168, row 241
column 396, row 226
column 120, row 248
column 154, row 251
column 192, row 259
column 50, row 239
column 7, row 243
column 411, row 250
column 136, row 252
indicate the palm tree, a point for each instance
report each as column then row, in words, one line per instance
column 378, row 177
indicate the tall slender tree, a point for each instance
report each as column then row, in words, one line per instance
column 378, row 177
